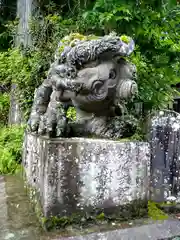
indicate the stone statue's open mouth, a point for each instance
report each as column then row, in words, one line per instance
column 127, row 89
column 100, row 90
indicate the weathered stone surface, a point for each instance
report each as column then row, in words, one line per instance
column 78, row 174
column 157, row 231
column 165, row 152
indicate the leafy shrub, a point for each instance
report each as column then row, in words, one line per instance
column 10, row 149
column 26, row 69
column 154, row 27
column 4, row 108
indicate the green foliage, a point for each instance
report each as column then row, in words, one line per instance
column 26, row 69
column 4, row 108
column 10, row 149
column 101, row 216
column 157, row 42
column 71, row 113
column 8, row 13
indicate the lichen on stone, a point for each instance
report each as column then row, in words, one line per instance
column 125, row 39
column 72, row 39
column 136, row 210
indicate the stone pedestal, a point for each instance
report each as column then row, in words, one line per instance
column 79, row 174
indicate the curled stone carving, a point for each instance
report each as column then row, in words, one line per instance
column 91, row 74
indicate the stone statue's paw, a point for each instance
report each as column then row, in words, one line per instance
column 60, row 132
column 53, row 127
column 118, row 127
column 50, row 128
column 123, row 127
column 113, row 133
column 33, row 123
column 42, row 125
column 61, row 126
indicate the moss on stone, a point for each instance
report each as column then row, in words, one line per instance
column 101, row 216
column 133, row 210
column 135, row 137
column 71, row 40
column 61, row 49
column 78, row 36
column 136, row 209
column 71, row 114
column 155, row 213
column 125, row 39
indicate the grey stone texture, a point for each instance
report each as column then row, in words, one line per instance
column 156, row 231
column 78, row 174
column 165, row 156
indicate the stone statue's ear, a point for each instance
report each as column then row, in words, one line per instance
column 119, row 59
column 112, row 74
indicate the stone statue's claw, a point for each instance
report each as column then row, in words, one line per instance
column 61, row 126
column 29, row 129
column 59, row 132
column 41, row 131
column 34, row 126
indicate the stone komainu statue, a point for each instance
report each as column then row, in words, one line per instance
column 91, row 74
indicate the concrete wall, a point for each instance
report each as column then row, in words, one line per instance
column 77, row 174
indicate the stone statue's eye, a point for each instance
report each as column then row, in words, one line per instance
column 112, row 74
column 57, row 72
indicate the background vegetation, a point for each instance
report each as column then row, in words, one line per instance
column 153, row 24
column 10, row 149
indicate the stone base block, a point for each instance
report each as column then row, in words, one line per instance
column 79, row 174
